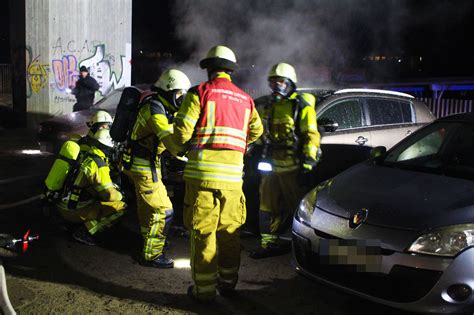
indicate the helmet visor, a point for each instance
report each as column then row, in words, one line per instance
column 281, row 86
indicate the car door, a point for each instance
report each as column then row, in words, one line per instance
column 390, row 120
column 349, row 115
column 349, row 143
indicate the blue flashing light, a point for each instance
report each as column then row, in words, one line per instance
column 460, row 87
column 407, row 89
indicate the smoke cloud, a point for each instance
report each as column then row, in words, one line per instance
column 319, row 38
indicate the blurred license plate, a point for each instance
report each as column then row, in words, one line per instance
column 363, row 255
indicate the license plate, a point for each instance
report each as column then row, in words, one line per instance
column 363, row 255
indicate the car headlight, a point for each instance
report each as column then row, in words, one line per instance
column 446, row 241
column 306, row 207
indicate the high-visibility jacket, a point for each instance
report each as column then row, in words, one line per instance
column 150, row 137
column 286, row 118
column 217, row 121
column 92, row 182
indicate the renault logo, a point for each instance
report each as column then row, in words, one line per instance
column 358, row 218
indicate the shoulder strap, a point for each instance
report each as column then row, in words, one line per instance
column 98, row 160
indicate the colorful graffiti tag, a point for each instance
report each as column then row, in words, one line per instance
column 37, row 73
column 65, row 72
column 100, row 68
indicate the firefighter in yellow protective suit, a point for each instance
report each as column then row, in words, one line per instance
column 150, row 137
column 93, row 198
column 217, row 121
column 292, row 144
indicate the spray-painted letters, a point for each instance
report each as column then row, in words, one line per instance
column 65, row 72
column 100, row 69
column 37, row 73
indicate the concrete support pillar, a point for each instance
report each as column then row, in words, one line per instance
column 60, row 36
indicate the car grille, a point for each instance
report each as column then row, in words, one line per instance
column 403, row 284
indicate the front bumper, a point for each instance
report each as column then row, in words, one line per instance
column 406, row 281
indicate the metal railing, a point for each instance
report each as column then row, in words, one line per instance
column 445, row 107
column 5, row 78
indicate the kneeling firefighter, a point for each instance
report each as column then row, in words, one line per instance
column 291, row 146
column 149, row 138
column 92, row 198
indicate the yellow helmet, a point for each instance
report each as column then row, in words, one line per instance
column 283, row 70
column 99, row 117
column 219, row 57
column 173, row 79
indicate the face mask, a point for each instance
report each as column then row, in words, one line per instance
column 281, row 87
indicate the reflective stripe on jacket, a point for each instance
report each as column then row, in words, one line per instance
column 152, row 130
column 281, row 125
column 217, row 120
column 94, row 180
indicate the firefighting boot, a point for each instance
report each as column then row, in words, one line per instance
column 83, row 236
column 272, row 249
column 191, row 293
column 161, row 261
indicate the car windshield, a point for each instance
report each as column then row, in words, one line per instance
column 445, row 148
column 110, row 102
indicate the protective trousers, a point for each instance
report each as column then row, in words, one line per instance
column 279, row 197
column 96, row 216
column 155, row 213
column 213, row 217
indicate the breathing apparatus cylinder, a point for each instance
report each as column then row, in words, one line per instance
column 125, row 116
column 62, row 165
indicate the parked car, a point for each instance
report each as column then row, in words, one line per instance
column 351, row 123
column 398, row 228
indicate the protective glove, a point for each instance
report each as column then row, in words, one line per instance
column 308, row 164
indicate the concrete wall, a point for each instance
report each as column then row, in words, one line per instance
column 63, row 35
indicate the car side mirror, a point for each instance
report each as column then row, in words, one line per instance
column 377, row 152
column 327, row 124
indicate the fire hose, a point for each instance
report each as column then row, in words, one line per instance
column 9, row 247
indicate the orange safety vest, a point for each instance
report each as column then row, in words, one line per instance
column 224, row 126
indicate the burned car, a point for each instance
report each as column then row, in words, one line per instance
column 398, row 228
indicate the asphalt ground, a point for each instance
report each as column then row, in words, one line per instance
column 60, row 276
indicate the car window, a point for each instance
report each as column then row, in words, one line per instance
column 427, row 145
column 110, row 102
column 445, row 148
column 347, row 113
column 386, row 111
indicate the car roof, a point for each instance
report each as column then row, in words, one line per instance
column 343, row 91
column 463, row 117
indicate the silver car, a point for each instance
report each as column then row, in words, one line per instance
column 399, row 228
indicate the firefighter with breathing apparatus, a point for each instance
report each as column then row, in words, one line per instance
column 216, row 122
column 80, row 182
column 149, row 137
column 291, row 147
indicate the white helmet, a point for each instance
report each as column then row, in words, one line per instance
column 219, row 57
column 103, row 136
column 173, row 79
column 99, row 117
column 283, row 70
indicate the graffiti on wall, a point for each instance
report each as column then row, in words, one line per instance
column 65, row 72
column 100, row 68
column 37, row 73
column 73, row 47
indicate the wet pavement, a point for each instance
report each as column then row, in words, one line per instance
column 57, row 275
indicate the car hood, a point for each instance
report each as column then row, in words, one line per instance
column 399, row 198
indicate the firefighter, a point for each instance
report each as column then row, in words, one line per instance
column 217, row 120
column 93, row 198
column 149, row 138
column 292, row 141
column 100, row 119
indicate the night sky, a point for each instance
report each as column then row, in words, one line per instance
column 440, row 31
